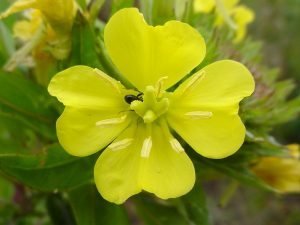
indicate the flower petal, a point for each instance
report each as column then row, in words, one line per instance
column 85, row 87
column 117, row 171
column 220, row 85
column 216, row 137
column 283, row 174
column 59, row 13
column 83, row 132
column 123, row 172
column 144, row 54
column 204, row 108
column 167, row 172
column 242, row 16
column 204, row 6
column 229, row 4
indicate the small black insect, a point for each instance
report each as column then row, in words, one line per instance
column 131, row 98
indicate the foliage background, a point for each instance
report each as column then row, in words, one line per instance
column 40, row 184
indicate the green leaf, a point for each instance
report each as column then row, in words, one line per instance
column 82, row 4
column 59, row 210
column 187, row 210
column 158, row 212
column 51, row 169
column 194, row 206
column 27, row 103
column 7, row 45
column 90, row 208
column 24, row 96
column 84, row 47
column 232, row 168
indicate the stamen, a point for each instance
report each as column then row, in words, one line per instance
column 108, row 79
column 111, row 121
column 159, row 86
column 147, row 145
column 176, row 145
column 199, row 115
column 195, row 79
column 120, row 144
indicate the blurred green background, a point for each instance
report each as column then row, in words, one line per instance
column 277, row 24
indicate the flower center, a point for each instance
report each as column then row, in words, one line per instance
column 152, row 105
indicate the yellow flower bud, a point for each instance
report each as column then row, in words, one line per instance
column 283, row 174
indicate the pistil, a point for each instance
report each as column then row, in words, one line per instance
column 151, row 107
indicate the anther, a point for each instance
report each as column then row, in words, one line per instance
column 159, row 86
column 199, row 115
column 146, row 148
column 120, row 144
column 111, row 121
column 176, row 145
column 195, row 79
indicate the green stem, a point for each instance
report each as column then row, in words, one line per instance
column 228, row 193
column 95, row 7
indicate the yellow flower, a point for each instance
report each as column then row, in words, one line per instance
column 58, row 13
column 283, row 174
column 237, row 16
column 135, row 127
column 59, row 17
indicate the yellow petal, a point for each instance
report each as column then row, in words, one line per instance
column 242, row 17
column 18, row 6
column 144, row 54
column 59, row 13
column 220, row 85
column 229, row 4
column 25, row 29
column 283, row 174
column 117, row 171
column 205, row 6
column 83, row 132
column 85, row 87
column 168, row 172
column 137, row 161
column 203, row 109
column 294, row 150
column 216, row 137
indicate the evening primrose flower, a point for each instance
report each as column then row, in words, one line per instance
column 58, row 13
column 236, row 16
column 283, row 174
column 136, row 126
column 54, row 17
